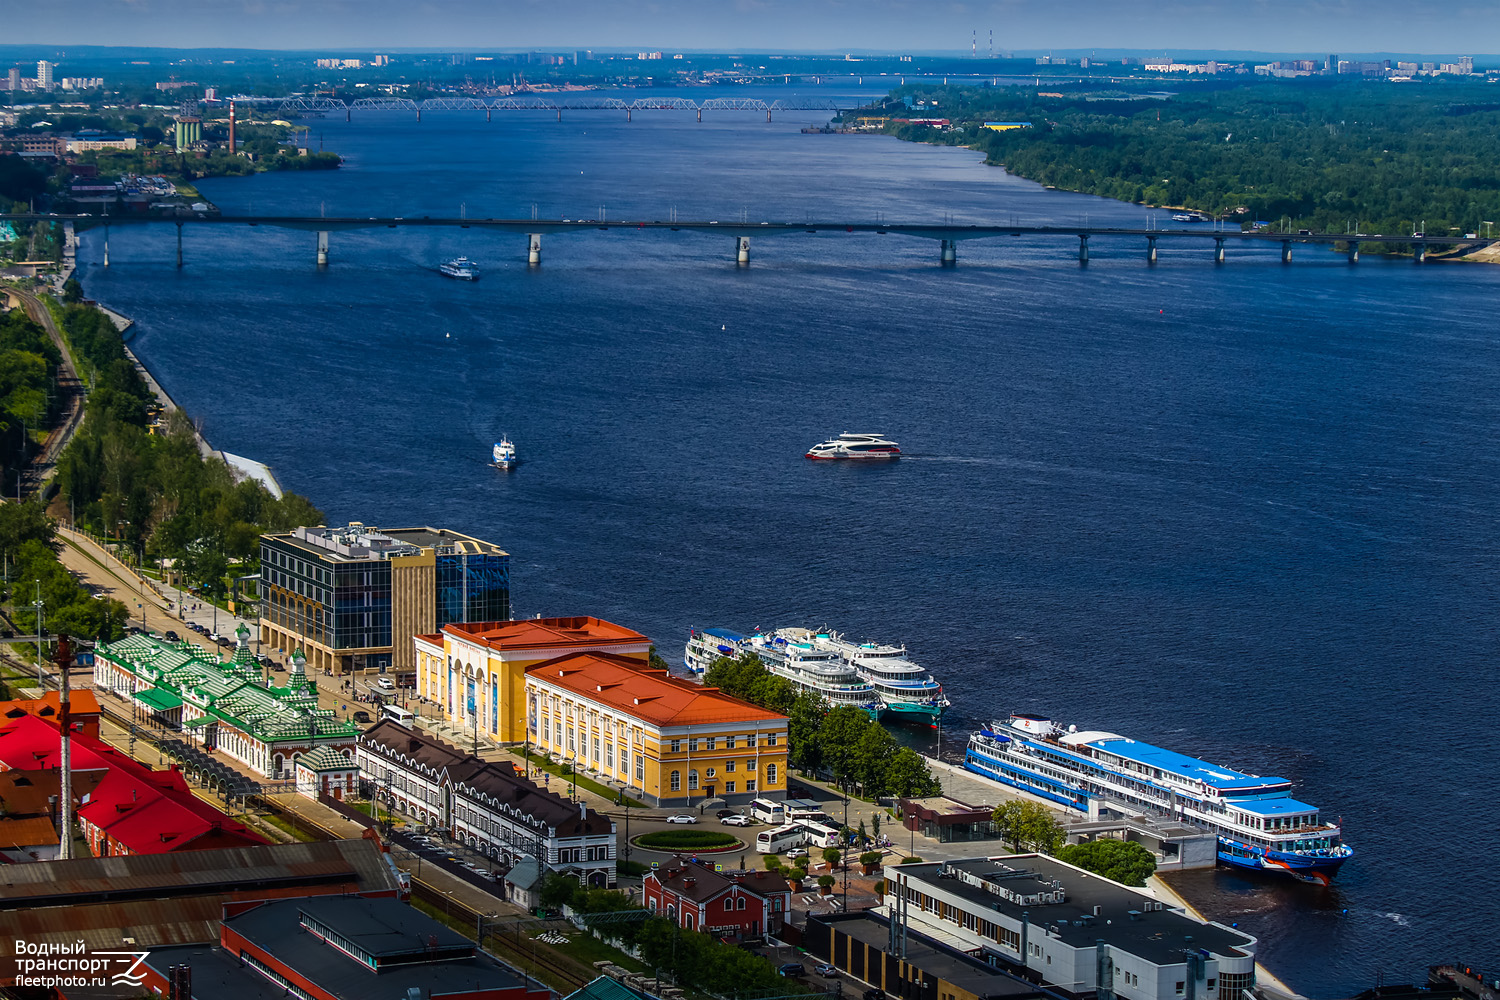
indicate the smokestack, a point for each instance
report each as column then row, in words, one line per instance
column 231, row 127
column 64, row 658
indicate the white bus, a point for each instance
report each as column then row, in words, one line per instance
column 396, row 713
column 783, row 838
column 768, row 811
column 821, row 834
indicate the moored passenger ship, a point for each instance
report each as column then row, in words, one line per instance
column 811, row 669
column 1258, row 824
column 907, row 692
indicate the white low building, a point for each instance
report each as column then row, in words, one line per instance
column 487, row 806
column 1080, row 932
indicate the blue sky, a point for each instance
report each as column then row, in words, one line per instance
column 1160, row 26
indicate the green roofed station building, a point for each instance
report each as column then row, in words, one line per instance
column 224, row 705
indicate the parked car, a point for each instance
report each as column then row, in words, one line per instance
column 362, row 716
column 726, row 812
column 873, row 995
column 735, row 819
column 172, row 636
column 795, row 853
column 826, row 971
column 682, row 818
column 386, row 683
column 792, row 969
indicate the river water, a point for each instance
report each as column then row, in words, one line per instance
column 1246, row 511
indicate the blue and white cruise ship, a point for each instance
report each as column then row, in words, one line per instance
column 1259, row 825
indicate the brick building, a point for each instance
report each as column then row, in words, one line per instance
column 727, row 904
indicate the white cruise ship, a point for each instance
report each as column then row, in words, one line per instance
column 907, row 692
column 789, row 654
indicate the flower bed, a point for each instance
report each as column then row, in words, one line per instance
column 688, row 840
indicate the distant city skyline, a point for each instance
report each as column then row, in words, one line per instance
column 1277, row 26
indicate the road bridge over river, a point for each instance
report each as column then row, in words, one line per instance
column 947, row 234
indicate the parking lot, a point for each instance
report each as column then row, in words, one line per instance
column 455, row 859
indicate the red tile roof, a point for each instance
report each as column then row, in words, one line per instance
column 176, row 816
column 155, row 813
column 30, row 743
column 653, row 696
column 543, row 633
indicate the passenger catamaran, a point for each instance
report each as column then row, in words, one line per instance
column 1259, row 825
column 878, row 678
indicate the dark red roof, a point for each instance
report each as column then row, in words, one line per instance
column 697, row 880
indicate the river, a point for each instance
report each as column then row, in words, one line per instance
column 1243, row 510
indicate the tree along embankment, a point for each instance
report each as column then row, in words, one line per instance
column 131, row 473
column 1329, row 156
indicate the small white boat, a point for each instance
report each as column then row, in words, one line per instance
column 504, row 454
column 461, row 268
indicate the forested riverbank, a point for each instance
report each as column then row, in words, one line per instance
column 1331, row 156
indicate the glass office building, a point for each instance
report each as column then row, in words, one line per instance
column 352, row 598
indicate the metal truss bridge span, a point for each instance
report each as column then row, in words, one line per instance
column 534, row 102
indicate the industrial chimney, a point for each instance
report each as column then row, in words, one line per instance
column 63, row 657
column 231, row 127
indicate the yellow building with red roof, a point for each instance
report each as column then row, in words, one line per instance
column 670, row 741
column 476, row 671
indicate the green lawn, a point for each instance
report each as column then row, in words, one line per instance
column 586, row 948
column 287, row 828
column 583, row 781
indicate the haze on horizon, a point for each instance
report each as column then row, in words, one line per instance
column 1334, row 26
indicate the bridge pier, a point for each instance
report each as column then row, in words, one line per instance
column 742, row 250
column 1286, row 251
column 179, row 244
column 1419, row 253
column 322, row 248
column 1218, row 250
column 419, row 116
column 949, row 254
column 534, row 248
column 487, row 113
column 346, row 114
column 106, row 246
column 627, row 114
column 1354, row 253
column 1083, row 248
column 768, row 114
column 1150, row 249
column 700, row 114
column 559, row 114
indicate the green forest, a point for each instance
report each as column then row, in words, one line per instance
column 131, row 474
column 1331, row 156
column 28, row 380
column 844, row 742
